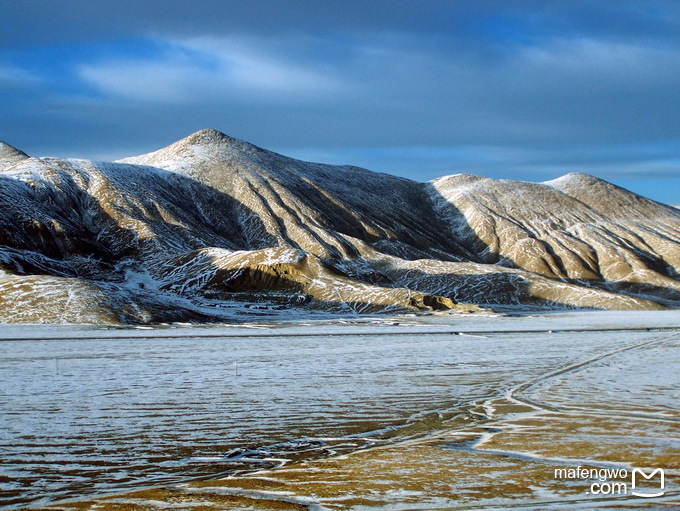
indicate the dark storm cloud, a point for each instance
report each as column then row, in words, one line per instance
column 420, row 89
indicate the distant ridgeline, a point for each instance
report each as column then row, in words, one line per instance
column 215, row 229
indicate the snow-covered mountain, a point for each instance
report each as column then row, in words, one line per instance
column 213, row 228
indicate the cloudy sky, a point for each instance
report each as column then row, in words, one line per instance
column 510, row 89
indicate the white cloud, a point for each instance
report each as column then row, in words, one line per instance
column 602, row 58
column 198, row 69
column 14, row 76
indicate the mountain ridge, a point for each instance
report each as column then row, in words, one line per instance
column 211, row 228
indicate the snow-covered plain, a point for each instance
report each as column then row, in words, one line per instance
column 92, row 411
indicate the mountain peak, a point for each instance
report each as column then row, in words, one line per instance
column 575, row 179
column 206, row 139
column 10, row 155
column 213, row 139
column 208, row 136
column 194, row 147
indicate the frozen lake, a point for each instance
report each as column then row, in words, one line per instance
column 87, row 411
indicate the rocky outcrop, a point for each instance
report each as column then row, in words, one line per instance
column 213, row 228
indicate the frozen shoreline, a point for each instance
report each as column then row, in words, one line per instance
column 574, row 321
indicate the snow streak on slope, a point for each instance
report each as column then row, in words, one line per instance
column 211, row 228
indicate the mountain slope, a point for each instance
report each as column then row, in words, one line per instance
column 577, row 228
column 212, row 228
column 314, row 207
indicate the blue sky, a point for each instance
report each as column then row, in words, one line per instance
column 523, row 90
